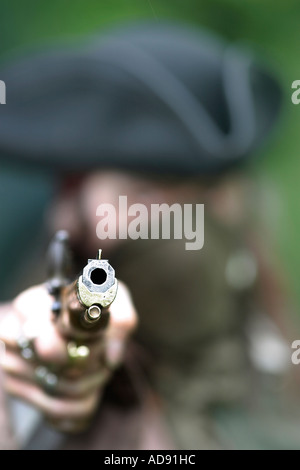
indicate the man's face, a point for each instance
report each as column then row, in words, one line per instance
column 76, row 210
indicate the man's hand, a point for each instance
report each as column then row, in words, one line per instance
column 75, row 385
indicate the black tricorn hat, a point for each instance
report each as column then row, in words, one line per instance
column 154, row 97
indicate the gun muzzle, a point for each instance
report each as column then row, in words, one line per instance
column 86, row 300
column 96, row 289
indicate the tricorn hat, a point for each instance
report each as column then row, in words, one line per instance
column 154, row 97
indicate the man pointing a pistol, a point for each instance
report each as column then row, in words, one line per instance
column 44, row 364
column 161, row 114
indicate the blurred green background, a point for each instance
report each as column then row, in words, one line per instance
column 271, row 26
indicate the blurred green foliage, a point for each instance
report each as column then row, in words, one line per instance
column 271, row 26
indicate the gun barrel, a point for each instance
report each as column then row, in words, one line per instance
column 96, row 289
column 87, row 299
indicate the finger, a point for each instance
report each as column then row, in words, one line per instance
column 55, row 407
column 123, row 321
column 50, row 346
column 17, row 367
column 34, row 304
column 14, row 364
column 84, row 386
column 26, row 316
column 68, row 425
column 10, row 329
